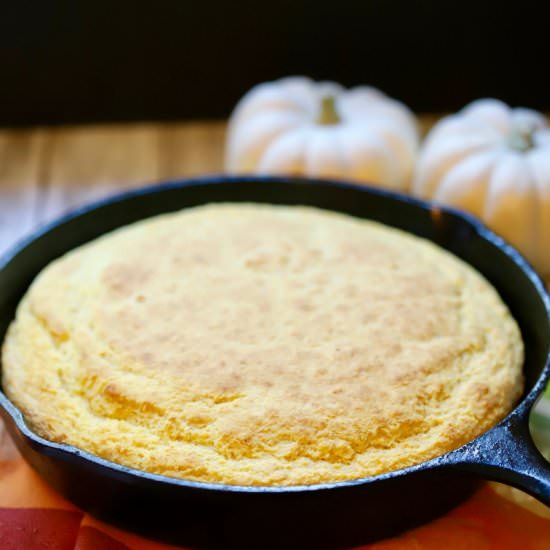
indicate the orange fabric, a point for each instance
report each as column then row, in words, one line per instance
column 33, row 517
column 485, row 522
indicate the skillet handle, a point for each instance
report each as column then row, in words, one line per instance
column 507, row 454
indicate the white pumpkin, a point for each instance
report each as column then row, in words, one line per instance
column 295, row 126
column 493, row 161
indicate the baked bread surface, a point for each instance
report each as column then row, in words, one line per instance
column 262, row 345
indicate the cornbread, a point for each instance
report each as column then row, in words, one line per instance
column 262, row 345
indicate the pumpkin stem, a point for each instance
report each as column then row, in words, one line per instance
column 327, row 113
column 521, row 137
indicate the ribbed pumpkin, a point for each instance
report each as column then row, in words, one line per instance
column 493, row 161
column 296, row 126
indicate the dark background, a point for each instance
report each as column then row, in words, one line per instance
column 73, row 61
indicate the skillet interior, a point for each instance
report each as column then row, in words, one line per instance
column 455, row 232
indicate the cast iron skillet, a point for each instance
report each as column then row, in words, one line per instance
column 328, row 515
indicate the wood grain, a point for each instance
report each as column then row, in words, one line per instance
column 87, row 163
column 22, row 158
column 191, row 149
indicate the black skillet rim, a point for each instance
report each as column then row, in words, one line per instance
column 49, row 447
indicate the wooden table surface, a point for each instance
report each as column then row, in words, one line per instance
column 47, row 171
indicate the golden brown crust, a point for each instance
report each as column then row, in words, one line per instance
column 262, row 345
